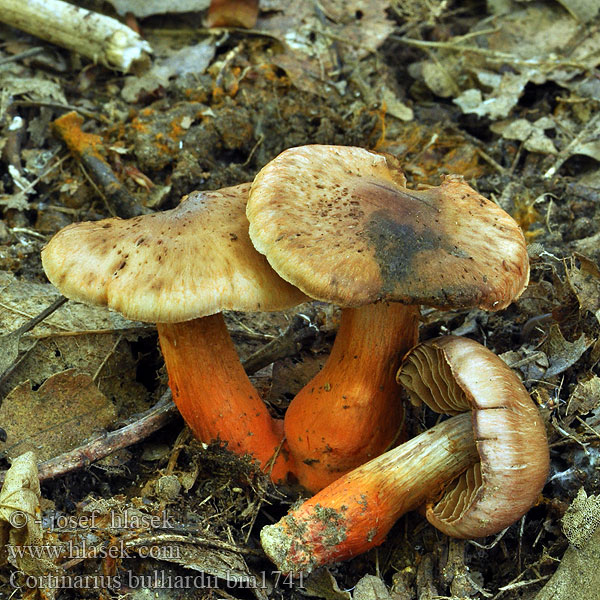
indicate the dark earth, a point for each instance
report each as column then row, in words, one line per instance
column 218, row 127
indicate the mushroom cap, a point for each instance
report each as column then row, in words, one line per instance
column 453, row 375
column 339, row 223
column 172, row 266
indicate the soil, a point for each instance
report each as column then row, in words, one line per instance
column 219, row 128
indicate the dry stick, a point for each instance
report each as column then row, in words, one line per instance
column 491, row 55
column 158, row 416
column 567, row 151
column 161, row 538
column 22, row 55
column 59, row 106
column 153, row 419
column 290, row 342
column 10, row 341
column 100, row 38
column 86, row 148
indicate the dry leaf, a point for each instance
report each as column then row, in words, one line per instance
column 36, row 88
column 19, row 503
column 322, row 584
column 370, row 587
column 59, row 416
column 317, row 38
column 20, row 523
column 22, row 300
column 75, row 336
column 394, row 106
column 190, row 59
column 561, row 353
column 507, row 90
column 532, row 134
column 585, row 283
column 584, row 398
column 539, row 42
column 578, row 575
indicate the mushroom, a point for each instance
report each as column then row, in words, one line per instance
column 340, row 224
column 180, row 268
column 473, row 474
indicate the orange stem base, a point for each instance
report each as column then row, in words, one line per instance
column 356, row 512
column 351, row 411
column 215, row 396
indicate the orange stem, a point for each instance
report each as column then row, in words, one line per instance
column 215, row 396
column 356, row 512
column 351, row 412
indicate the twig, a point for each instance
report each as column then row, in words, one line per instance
column 16, row 311
column 10, row 341
column 22, row 55
column 589, row 427
column 40, row 317
column 58, row 106
column 295, row 336
column 105, row 360
column 517, row 581
column 520, row 584
column 566, row 152
column 491, row 161
column 31, row 232
column 100, row 38
column 259, row 141
column 491, row 55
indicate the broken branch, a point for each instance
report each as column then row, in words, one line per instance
column 98, row 37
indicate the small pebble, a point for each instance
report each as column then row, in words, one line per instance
column 168, row 487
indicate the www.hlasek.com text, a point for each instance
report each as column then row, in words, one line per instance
column 86, row 550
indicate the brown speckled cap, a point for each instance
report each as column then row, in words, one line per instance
column 191, row 261
column 339, row 223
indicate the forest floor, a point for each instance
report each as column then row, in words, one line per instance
column 504, row 94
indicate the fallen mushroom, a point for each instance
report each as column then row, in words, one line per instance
column 180, row 268
column 340, row 224
column 474, row 474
